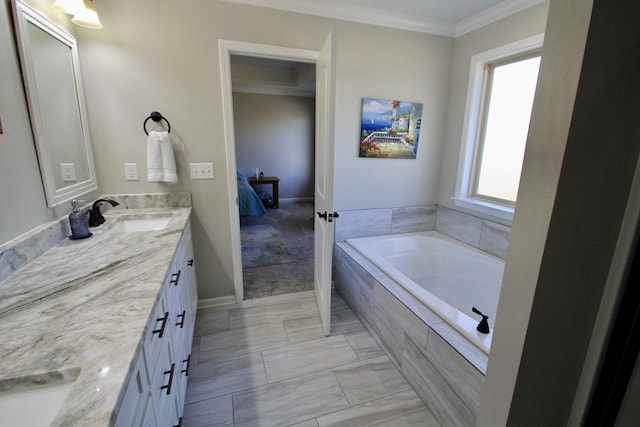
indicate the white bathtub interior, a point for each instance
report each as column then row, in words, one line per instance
column 447, row 276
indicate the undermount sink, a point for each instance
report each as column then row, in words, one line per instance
column 129, row 225
column 34, row 405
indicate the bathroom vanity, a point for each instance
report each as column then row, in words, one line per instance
column 110, row 317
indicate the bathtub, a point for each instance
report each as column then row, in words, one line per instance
column 445, row 275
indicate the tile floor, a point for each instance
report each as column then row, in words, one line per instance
column 266, row 362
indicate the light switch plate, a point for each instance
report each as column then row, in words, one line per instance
column 201, row 170
column 130, row 172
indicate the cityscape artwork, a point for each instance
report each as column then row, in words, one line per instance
column 390, row 129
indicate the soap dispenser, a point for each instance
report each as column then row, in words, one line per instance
column 78, row 222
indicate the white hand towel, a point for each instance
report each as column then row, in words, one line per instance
column 161, row 164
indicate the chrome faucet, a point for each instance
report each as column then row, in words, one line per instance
column 95, row 216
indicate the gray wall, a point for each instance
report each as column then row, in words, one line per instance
column 23, row 206
column 420, row 73
column 138, row 64
column 163, row 56
column 275, row 133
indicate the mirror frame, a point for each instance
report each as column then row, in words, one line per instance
column 25, row 15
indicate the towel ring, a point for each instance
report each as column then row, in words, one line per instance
column 156, row 117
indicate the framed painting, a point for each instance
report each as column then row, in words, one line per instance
column 389, row 128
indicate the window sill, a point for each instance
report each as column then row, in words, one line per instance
column 485, row 207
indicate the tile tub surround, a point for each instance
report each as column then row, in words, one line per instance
column 18, row 252
column 483, row 234
column 444, row 369
column 377, row 222
column 84, row 304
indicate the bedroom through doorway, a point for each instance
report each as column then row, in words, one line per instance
column 274, row 127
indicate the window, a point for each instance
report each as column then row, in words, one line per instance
column 501, row 91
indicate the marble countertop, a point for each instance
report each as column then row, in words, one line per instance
column 80, row 309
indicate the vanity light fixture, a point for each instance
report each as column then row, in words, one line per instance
column 87, row 16
column 70, row 7
column 84, row 12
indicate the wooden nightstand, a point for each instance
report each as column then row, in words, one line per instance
column 273, row 180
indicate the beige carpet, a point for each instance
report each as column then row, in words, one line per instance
column 293, row 223
column 262, row 246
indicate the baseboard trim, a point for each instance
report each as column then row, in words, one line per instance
column 216, row 302
column 297, row 199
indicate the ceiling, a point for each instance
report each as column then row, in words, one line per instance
column 443, row 17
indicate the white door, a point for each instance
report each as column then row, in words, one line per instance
column 323, row 222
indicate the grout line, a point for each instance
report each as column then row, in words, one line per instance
column 233, row 408
column 341, row 388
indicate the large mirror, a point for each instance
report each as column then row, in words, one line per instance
column 51, row 75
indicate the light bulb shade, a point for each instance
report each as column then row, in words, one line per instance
column 70, row 7
column 87, row 16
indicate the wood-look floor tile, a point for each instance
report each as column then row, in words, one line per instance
column 263, row 314
column 307, row 329
column 345, row 322
column 195, row 351
column 404, row 409
column 306, row 357
column 212, row 379
column 308, row 423
column 227, row 344
column 211, row 412
column 279, row 299
column 210, row 321
column 288, row 402
column 370, row 379
column 310, row 306
column 364, row 345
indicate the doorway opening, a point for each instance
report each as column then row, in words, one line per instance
column 323, row 230
column 274, row 127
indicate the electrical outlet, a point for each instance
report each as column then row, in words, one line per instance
column 68, row 172
column 201, row 170
column 130, row 172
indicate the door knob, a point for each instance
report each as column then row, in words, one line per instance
column 322, row 215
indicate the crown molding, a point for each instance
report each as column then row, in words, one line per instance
column 493, row 14
column 363, row 15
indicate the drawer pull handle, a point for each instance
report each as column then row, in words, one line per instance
column 168, row 385
column 181, row 316
column 185, row 371
column 176, row 278
column 164, row 319
column 190, row 262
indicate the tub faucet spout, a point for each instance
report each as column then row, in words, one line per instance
column 483, row 326
column 95, row 216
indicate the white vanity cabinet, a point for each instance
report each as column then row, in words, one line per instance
column 156, row 391
column 137, row 399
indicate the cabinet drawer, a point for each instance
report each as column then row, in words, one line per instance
column 158, row 332
column 133, row 406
